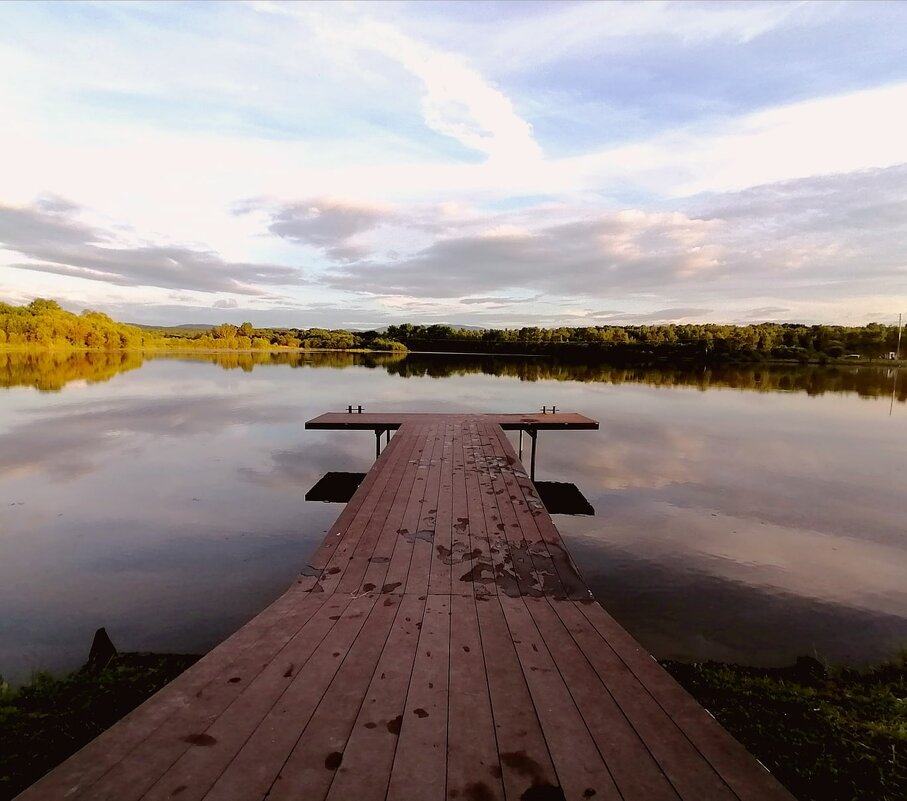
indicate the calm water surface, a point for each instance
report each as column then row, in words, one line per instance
column 742, row 515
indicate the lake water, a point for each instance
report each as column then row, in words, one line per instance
column 746, row 515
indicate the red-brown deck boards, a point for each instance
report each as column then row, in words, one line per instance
column 371, row 508
column 319, row 750
column 463, row 553
column 422, row 539
column 419, row 769
column 381, row 712
column 383, row 550
column 473, row 766
column 397, row 488
column 323, row 554
column 441, row 546
column 525, row 762
column 531, row 561
column 636, row 772
column 439, row 644
column 254, row 769
column 568, row 575
column 198, row 767
column 484, row 565
column 580, row 769
column 408, row 533
column 258, row 640
column 667, row 743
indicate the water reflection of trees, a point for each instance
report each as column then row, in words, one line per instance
column 249, row 360
column 868, row 382
column 52, row 370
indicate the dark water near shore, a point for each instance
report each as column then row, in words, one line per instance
column 742, row 514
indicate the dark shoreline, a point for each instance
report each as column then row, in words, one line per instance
column 47, row 720
column 827, row 734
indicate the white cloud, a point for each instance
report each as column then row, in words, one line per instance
column 844, row 133
column 51, row 238
column 837, row 245
column 569, row 28
column 225, row 303
column 457, row 101
column 398, row 129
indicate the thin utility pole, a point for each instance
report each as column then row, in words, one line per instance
column 894, row 378
column 897, row 352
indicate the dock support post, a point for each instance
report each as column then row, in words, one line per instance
column 377, row 442
column 521, row 444
column 533, row 433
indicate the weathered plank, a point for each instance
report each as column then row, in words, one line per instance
column 369, row 754
column 419, row 769
column 385, row 518
column 525, row 762
column 351, row 536
column 422, row 541
column 473, row 766
column 208, row 751
column 635, row 771
column 409, row 533
column 579, row 766
column 440, row 574
column 319, row 751
column 483, row 573
column 383, row 551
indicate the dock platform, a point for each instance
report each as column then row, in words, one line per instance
column 440, row 644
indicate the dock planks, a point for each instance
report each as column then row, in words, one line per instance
column 440, row 644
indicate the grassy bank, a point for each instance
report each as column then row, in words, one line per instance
column 44, row 722
column 827, row 735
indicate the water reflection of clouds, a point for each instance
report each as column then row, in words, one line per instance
column 615, row 459
column 678, row 611
column 865, row 512
column 67, row 442
column 171, row 593
column 730, row 524
column 788, row 508
column 302, row 467
column 859, row 574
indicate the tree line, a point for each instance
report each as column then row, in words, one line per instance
column 44, row 324
column 701, row 342
column 246, row 337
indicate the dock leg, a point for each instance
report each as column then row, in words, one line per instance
column 534, row 435
column 521, row 444
column 377, row 442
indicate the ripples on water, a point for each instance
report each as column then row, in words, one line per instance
column 742, row 514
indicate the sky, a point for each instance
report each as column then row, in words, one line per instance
column 476, row 163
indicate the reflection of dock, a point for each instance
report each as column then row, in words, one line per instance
column 439, row 645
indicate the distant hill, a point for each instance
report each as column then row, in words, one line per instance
column 175, row 328
column 195, row 327
column 455, row 326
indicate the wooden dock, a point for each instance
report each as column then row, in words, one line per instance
column 440, row 644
